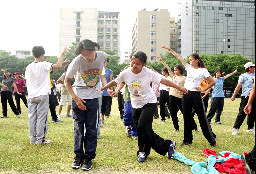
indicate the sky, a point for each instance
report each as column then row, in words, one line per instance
column 26, row 23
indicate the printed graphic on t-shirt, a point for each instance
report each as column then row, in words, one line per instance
column 91, row 77
column 136, row 86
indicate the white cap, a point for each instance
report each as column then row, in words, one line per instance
column 248, row 64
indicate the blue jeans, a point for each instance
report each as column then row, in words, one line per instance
column 85, row 120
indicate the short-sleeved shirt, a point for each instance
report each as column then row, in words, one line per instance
column 37, row 78
column 139, row 85
column 194, row 77
column 247, row 81
column 164, row 87
column 87, row 81
column 108, row 72
column 64, row 90
column 20, row 83
column 7, row 82
column 178, row 80
column 218, row 88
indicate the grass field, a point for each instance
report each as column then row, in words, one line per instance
column 115, row 152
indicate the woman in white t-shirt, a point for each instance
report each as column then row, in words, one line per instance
column 138, row 79
column 196, row 72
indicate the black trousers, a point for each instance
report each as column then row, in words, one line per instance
column 52, row 106
column 164, row 99
column 194, row 100
column 174, row 106
column 18, row 97
column 217, row 104
column 106, row 105
column 147, row 138
column 120, row 100
column 7, row 96
column 241, row 115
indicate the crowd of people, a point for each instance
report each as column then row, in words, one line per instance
column 140, row 89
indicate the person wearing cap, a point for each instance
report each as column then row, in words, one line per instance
column 246, row 82
column 87, row 68
column 20, row 83
column 38, row 86
column 6, row 94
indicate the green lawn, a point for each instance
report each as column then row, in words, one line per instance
column 115, row 152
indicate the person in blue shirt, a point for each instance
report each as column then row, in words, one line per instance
column 217, row 101
column 245, row 81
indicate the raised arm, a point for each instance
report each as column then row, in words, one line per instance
column 60, row 60
column 178, row 56
column 166, row 66
column 230, row 74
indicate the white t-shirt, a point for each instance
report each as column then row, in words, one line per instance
column 87, row 82
column 139, row 85
column 194, row 77
column 164, row 87
column 178, row 80
column 37, row 78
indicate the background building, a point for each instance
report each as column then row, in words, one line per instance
column 98, row 26
column 22, row 54
column 219, row 26
column 151, row 31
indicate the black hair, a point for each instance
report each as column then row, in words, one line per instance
column 218, row 70
column 140, row 55
column 165, row 70
column 200, row 62
column 96, row 45
column 85, row 45
column 38, row 51
column 66, row 67
column 180, row 68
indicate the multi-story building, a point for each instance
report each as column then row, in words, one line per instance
column 150, row 32
column 173, row 34
column 22, row 54
column 98, row 26
column 218, row 26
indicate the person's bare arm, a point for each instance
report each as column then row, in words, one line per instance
column 230, row 74
column 238, row 86
column 60, row 60
column 171, row 74
column 171, row 84
column 248, row 107
column 178, row 56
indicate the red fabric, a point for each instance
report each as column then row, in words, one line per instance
column 231, row 165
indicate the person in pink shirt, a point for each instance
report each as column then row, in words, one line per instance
column 20, row 83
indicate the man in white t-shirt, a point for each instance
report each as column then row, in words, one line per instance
column 38, row 86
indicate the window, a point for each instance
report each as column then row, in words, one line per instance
column 228, row 15
column 77, row 40
column 108, row 44
column 153, row 41
column 77, row 32
column 114, row 29
column 101, row 22
column 228, row 46
column 101, row 29
column 107, row 36
column 153, row 16
column 114, row 44
column 108, row 21
column 220, row 8
column 153, row 49
column 212, row 8
column 78, row 16
column 171, row 22
column 197, row 14
column 172, row 43
column 153, row 33
column 115, row 37
column 153, row 25
column 222, row 52
column 100, row 37
column 108, row 30
column 228, row 40
column 172, row 35
column 115, row 22
column 153, row 57
column 77, row 23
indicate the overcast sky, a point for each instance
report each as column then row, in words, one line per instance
column 26, row 23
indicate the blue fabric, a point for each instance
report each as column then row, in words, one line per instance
column 247, row 80
column 127, row 117
column 108, row 72
column 218, row 88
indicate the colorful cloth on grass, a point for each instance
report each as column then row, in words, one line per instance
column 226, row 162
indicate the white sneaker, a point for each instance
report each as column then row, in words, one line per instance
column 251, row 131
column 18, row 116
column 46, row 141
column 234, row 131
column 59, row 116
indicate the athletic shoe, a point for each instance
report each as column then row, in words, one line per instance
column 128, row 131
column 3, row 116
column 218, row 122
column 141, row 157
column 186, row 143
column 246, row 166
column 57, row 121
column 58, row 116
column 234, row 131
column 135, row 137
column 171, row 150
column 251, row 131
column 77, row 163
column 18, row 116
column 46, row 141
column 87, row 164
column 68, row 115
column 162, row 121
column 107, row 116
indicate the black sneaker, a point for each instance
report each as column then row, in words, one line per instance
column 87, row 164
column 77, row 163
